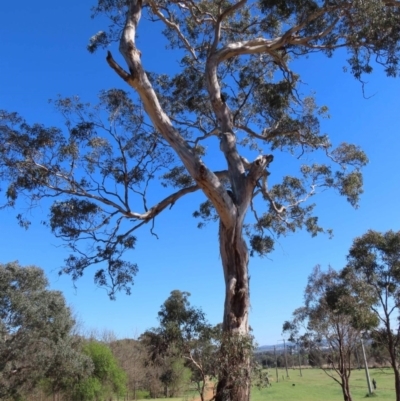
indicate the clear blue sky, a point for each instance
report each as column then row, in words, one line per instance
column 43, row 53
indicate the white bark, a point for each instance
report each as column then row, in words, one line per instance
column 243, row 175
column 206, row 179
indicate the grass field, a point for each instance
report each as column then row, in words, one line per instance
column 315, row 385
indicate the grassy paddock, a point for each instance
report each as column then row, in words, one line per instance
column 315, row 385
column 190, row 395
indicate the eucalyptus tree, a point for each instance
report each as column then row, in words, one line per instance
column 374, row 261
column 180, row 324
column 234, row 82
column 331, row 323
column 183, row 339
column 36, row 341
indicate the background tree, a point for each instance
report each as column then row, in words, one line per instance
column 315, row 357
column 377, row 349
column 68, row 367
column 374, row 261
column 332, row 319
column 176, row 376
column 183, row 335
column 107, row 379
column 203, row 357
column 131, row 357
column 180, row 322
column 235, row 83
column 36, row 329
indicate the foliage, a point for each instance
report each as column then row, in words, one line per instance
column 68, row 367
column 88, row 389
column 234, row 349
column 107, row 379
column 180, row 325
column 36, row 338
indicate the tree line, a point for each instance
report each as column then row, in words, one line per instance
column 297, row 357
column 42, row 353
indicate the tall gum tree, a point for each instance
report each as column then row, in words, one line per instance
column 234, row 82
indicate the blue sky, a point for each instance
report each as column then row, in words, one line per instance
column 43, row 53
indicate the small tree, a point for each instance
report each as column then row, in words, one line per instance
column 331, row 322
column 183, row 334
column 203, row 357
column 176, row 377
column 107, row 379
column 36, row 341
column 374, row 261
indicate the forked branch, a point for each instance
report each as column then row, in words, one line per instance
column 138, row 79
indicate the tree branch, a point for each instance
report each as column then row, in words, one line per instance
column 173, row 26
column 206, row 180
column 221, row 17
column 119, row 70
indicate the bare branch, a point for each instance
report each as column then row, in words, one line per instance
column 214, row 132
column 268, row 133
column 173, row 26
column 119, row 70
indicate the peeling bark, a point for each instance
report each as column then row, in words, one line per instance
column 138, row 80
column 235, row 259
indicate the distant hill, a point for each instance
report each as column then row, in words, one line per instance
column 323, row 345
column 270, row 348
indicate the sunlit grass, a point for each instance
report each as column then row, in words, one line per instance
column 315, row 385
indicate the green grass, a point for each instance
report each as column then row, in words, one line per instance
column 315, row 385
column 186, row 398
column 189, row 395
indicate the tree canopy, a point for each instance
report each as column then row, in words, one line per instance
column 121, row 153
